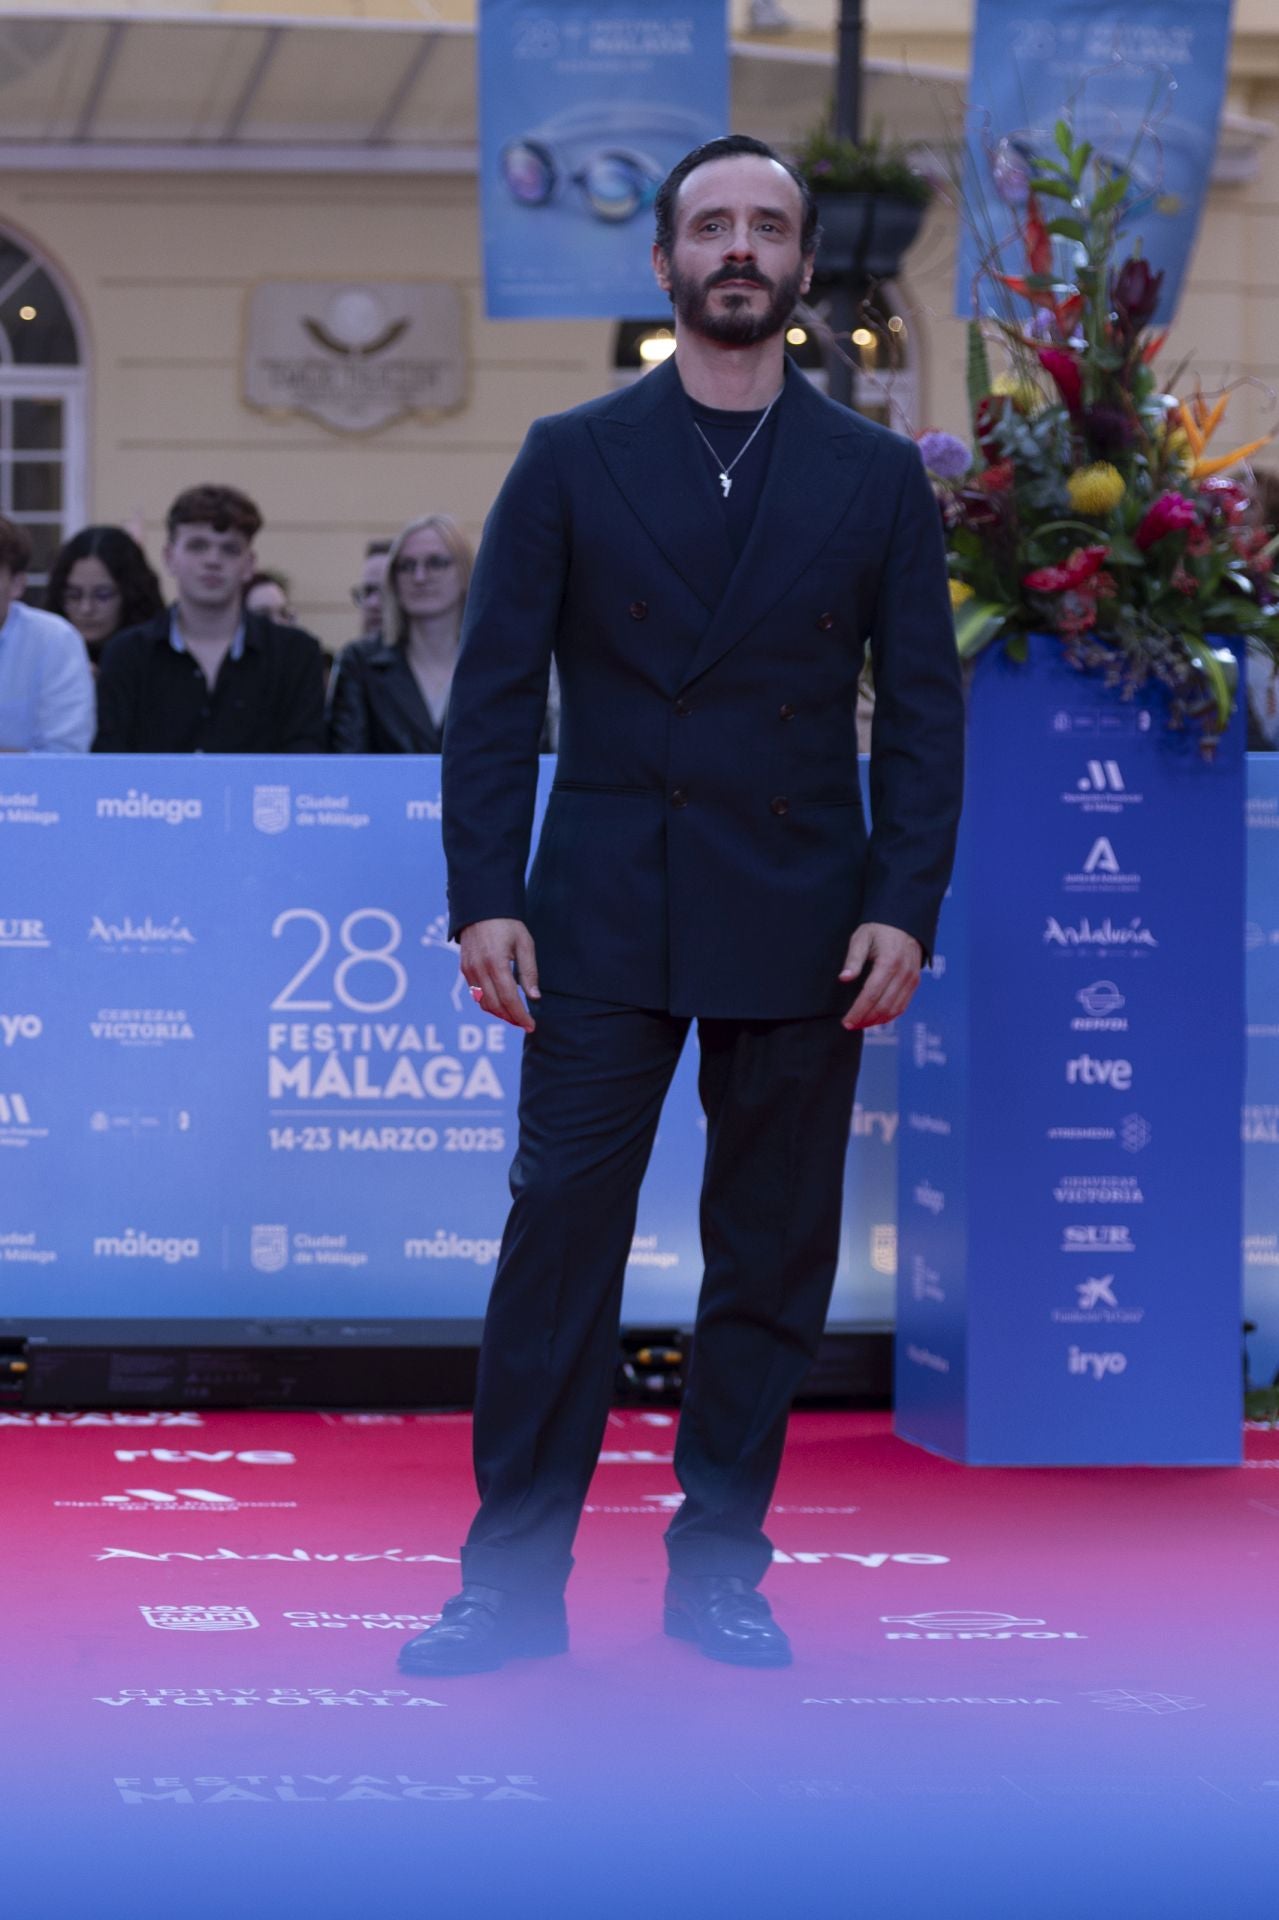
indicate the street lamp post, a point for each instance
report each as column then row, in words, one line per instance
column 848, row 292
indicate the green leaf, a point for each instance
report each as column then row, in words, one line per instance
column 1064, row 138
column 1109, row 196
column 1125, row 552
column 977, row 367
column 1079, row 160
column 1055, row 189
column 976, row 624
column 1015, row 647
column 1069, row 229
column 1220, row 670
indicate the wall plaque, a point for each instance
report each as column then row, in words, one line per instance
column 354, row 355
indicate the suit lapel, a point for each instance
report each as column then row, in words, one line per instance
column 819, row 461
column 648, row 444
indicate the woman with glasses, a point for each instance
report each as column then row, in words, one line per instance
column 390, row 691
column 101, row 581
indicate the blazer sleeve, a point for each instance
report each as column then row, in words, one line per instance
column 118, row 687
column 66, row 712
column 497, row 703
column 302, row 728
column 917, row 734
column 348, row 717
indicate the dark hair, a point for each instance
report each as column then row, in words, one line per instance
column 727, row 147
column 222, row 508
column 268, row 579
column 140, row 595
column 15, row 546
column 374, row 548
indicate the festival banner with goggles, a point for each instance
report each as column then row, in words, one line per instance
column 584, row 108
column 241, row 1075
column 1141, row 80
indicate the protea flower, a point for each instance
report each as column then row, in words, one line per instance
column 1134, row 295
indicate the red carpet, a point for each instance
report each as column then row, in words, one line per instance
column 1062, row 1675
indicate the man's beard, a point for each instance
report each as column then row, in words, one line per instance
column 738, row 325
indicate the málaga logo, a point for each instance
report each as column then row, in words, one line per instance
column 269, row 1248
column 196, row 1619
column 147, row 806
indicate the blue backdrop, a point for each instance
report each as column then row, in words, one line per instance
column 1143, row 80
column 584, row 106
column 1261, row 1094
column 242, row 1076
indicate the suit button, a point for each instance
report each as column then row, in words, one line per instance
column 779, row 804
column 825, row 621
column 638, row 609
column 786, row 712
column 679, row 798
column 682, row 709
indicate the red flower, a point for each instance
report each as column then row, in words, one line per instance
column 1064, row 369
column 1134, row 294
column 1227, row 496
column 1075, row 572
column 998, row 478
column 1170, row 513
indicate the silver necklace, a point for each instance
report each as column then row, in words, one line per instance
column 725, row 472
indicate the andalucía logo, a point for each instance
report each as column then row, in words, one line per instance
column 194, row 1619
column 271, row 809
column 172, row 934
column 1107, row 936
column 295, row 1556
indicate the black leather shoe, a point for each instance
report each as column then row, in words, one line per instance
column 483, row 1627
column 726, row 1618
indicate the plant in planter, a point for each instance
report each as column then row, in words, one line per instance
column 1092, row 507
column 871, row 201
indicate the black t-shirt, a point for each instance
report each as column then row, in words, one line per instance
column 728, row 433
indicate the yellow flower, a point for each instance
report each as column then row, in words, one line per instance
column 959, row 592
column 1023, row 393
column 1097, row 489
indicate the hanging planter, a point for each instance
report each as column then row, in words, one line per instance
column 871, row 203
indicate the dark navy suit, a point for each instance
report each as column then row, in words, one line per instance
column 704, row 855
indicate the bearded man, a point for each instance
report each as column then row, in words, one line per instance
column 705, row 556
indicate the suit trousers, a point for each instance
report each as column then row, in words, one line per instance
column 778, row 1099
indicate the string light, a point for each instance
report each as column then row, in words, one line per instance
column 863, row 337
column 796, row 336
column 657, row 346
column 26, row 313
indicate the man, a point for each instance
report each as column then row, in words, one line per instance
column 370, row 591
column 206, row 676
column 46, row 686
column 705, row 554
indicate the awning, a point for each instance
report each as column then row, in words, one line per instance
column 255, row 92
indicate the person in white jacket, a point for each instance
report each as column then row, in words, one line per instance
column 46, row 686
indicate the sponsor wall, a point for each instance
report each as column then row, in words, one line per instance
column 242, row 1075
column 1261, row 1091
column 1070, row 1166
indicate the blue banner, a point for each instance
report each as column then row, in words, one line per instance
column 585, row 105
column 242, row 1077
column 1143, row 80
column 1261, row 1094
column 1070, row 1163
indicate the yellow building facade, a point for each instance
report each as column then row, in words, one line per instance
column 157, row 169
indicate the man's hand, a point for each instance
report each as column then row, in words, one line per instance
column 492, row 951
column 894, row 959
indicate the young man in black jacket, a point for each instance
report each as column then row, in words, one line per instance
column 205, row 676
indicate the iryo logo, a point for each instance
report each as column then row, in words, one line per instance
column 20, row 1026
column 1095, row 1365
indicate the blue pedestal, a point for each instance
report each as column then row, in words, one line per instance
column 1070, row 1164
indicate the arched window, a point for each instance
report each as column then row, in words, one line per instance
column 42, row 393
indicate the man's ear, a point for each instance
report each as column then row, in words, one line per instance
column 661, row 268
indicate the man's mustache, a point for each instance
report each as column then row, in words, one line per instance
column 740, row 273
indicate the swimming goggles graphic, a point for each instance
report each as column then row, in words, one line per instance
column 597, row 153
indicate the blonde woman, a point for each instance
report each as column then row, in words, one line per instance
column 390, row 692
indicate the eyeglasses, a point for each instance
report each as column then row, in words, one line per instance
column 367, row 595
column 91, row 596
column 407, row 569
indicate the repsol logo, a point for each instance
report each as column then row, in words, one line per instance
column 148, row 806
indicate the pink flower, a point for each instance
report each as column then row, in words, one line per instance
column 1170, row 513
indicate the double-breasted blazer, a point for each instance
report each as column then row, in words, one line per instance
column 704, row 849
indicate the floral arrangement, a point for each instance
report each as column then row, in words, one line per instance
column 832, row 164
column 1089, row 504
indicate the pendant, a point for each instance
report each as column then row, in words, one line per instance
column 726, row 483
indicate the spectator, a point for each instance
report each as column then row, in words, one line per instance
column 268, row 593
column 368, row 595
column 390, row 690
column 207, row 676
column 46, row 686
column 101, row 581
